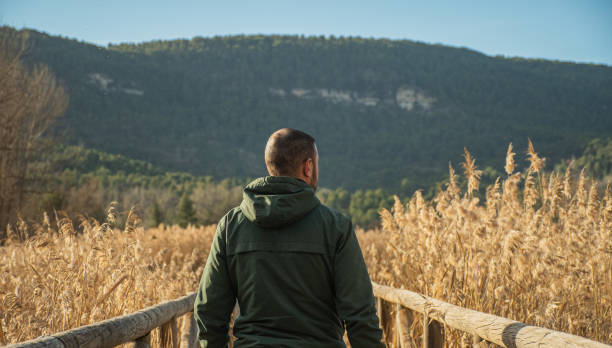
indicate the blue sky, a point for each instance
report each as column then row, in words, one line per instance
column 569, row 30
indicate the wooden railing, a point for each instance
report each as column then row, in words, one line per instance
column 482, row 326
column 136, row 327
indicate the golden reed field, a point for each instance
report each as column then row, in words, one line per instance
column 537, row 249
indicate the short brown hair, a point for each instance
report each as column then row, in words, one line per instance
column 287, row 149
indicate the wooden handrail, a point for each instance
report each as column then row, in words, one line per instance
column 501, row 331
column 116, row 331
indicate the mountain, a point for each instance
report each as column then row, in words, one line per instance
column 385, row 113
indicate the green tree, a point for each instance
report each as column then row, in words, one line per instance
column 157, row 216
column 186, row 214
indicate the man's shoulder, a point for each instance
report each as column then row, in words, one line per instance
column 233, row 216
column 329, row 211
column 334, row 217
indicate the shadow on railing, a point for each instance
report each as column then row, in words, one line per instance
column 136, row 327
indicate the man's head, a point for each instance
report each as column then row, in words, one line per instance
column 290, row 152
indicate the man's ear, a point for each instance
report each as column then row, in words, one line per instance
column 308, row 168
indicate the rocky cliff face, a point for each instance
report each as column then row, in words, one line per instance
column 406, row 98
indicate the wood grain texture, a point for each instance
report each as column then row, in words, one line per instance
column 174, row 328
column 116, row 331
column 425, row 337
column 501, row 331
column 189, row 332
column 403, row 322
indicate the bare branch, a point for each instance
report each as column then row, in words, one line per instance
column 30, row 101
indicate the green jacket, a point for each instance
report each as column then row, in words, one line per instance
column 296, row 269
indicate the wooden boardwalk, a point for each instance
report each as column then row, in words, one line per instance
column 136, row 327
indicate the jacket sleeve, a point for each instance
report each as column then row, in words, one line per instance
column 215, row 297
column 354, row 296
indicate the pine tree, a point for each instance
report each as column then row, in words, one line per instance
column 186, row 214
column 156, row 214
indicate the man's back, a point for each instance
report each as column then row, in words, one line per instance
column 295, row 268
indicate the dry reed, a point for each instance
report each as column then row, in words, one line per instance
column 59, row 279
column 541, row 255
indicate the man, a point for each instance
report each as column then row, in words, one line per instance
column 293, row 264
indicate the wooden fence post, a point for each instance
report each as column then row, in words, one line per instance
column 164, row 335
column 403, row 321
column 425, row 331
column 174, row 330
column 398, row 334
column 476, row 341
column 142, row 342
column 189, row 332
column 433, row 336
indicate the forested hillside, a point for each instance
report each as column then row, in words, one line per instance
column 386, row 113
column 82, row 182
column 596, row 159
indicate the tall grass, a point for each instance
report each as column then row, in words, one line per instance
column 538, row 249
column 59, row 279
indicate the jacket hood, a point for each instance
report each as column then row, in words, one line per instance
column 276, row 201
